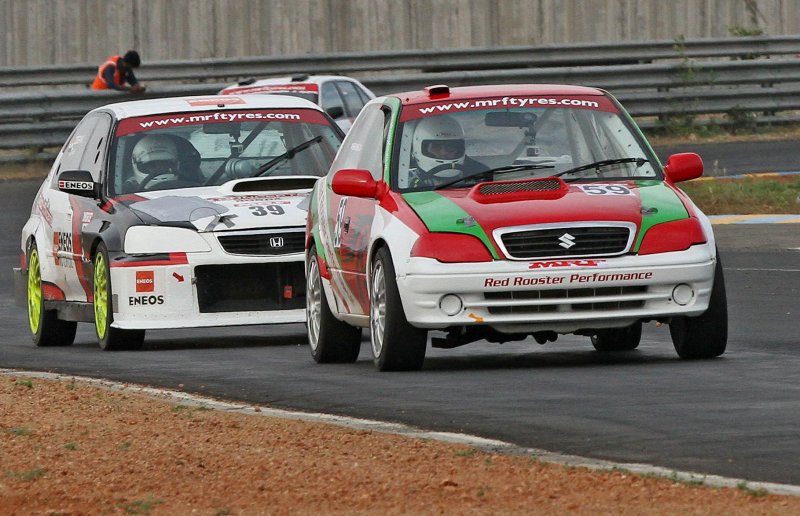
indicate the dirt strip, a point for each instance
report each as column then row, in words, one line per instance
column 69, row 447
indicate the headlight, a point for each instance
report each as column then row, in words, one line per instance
column 159, row 239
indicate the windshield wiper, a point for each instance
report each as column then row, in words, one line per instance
column 603, row 163
column 501, row 170
column 289, row 154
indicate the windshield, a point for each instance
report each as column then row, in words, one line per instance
column 492, row 144
column 165, row 152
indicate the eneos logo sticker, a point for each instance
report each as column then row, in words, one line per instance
column 145, row 281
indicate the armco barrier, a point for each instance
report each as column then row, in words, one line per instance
column 767, row 86
column 428, row 60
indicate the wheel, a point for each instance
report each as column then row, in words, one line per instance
column 396, row 345
column 330, row 340
column 706, row 335
column 618, row 339
column 46, row 328
column 110, row 339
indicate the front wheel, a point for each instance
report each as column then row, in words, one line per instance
column 396, row 344
column 46, row 328
column 110, row 339
column 704, row 336
column 330, row 340
column 618, row 339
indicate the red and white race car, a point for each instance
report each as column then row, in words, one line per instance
column 341, row 97
column 174, row 213
column 502, row 212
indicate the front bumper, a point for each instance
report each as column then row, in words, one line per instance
column 564, row 297
column 204, row 289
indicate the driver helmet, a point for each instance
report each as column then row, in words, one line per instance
column 439, row 140
column 155, row 156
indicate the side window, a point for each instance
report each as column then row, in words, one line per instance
column 94, row 157
column 352, row 101
column 329, row 98
column 76, row 146
column 362, row 145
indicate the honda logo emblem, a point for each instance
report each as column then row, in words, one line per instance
column 566, row 240
column 276, row 241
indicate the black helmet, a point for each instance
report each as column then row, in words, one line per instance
column 132, row 58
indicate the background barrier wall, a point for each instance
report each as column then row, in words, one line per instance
column 45, row 32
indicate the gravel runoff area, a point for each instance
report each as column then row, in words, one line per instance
column 80, row 446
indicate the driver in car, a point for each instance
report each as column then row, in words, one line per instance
column 157, row 164
column 439, row 153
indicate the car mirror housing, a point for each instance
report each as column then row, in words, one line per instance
column 78, row 182
column 355, row 182
column 683, row 167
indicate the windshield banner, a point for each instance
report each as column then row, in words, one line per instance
column 265, row 88
column 147, row 123
column 597, row 102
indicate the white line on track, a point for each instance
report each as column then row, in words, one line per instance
column 489, row 445
column 760, row 270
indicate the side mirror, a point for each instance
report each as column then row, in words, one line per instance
column 78, row 182
column 335, row 112
column 355, row 182
column 683, row 167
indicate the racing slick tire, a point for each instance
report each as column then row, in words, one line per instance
column 46, row 328
column 396, row 344
column 618, row 339
column 330, row 340
column 110, row 339
column 706, row 335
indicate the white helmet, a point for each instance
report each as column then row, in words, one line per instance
column 155, row 155
column 439, row 140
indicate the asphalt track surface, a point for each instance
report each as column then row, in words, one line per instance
column 736, row 416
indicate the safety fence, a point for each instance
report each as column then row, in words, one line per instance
column 753, row 78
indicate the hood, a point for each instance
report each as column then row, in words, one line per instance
column 236, row 205
column 643, row 203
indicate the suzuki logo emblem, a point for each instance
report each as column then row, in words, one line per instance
column 276, row 242
column 566, row 240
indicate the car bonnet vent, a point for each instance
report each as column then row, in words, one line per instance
column 545, row 188
column 534, row 185
column 276, row 184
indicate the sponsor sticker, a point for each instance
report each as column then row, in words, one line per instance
column 145, row 300
column 566, row 263
column 146, row 123
column 75, row 185
column 266, row 88
column 145, row 281
column 594, row 102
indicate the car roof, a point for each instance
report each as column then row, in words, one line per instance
column 442, row 92
column 205, row 103
column 288, row 81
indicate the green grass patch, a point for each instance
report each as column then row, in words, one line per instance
column 32, row 474
column 24, row 383
column 746, row 196
column 145, row 506
column 20, row 431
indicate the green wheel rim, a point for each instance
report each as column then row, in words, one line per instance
column 100, row 295
column 34, row 293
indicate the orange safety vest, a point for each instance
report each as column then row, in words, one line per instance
column 99, row 82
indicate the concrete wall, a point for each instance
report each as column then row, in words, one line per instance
column 42, row 32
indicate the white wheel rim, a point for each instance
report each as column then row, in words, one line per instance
column 377, row 310
column 313, row 303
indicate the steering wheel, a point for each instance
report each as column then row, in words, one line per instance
column 152, row 175
column 441, row 168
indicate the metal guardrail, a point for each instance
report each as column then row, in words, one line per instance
column 430, row 60
column 681, row 87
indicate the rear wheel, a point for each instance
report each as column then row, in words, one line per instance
column 110, row 339
column 704, row 336
column 46, row 328
column 329, row 339
column 396, row 344
column 618, row 339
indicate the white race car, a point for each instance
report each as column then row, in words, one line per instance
column 174, row 213
column 502, row 212
column 340, row 96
